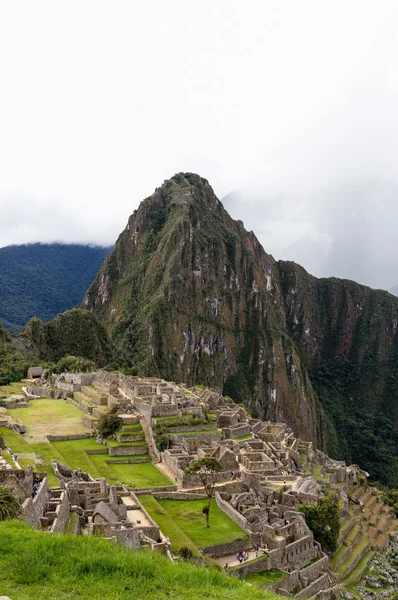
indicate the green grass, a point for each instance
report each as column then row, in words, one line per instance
column 57, row 417
column 14, row 388
column 14, row 440
column 71, row 524
column 264, row 577
column 142, row 475
column 244, row 437
column 116, row 444
column 167, row 525
column 34, row 564
column 8, row 458
column 359, row 569
column 187, row 514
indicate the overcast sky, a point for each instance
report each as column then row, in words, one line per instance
column 291, row 104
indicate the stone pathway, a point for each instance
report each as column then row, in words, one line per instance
column 232, row 561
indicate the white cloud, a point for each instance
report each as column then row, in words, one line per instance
column 100, row 102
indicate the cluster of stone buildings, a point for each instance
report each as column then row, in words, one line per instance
column 261, row 483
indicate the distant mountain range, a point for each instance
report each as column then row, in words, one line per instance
column 42, row 280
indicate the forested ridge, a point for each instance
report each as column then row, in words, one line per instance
column 43, row 280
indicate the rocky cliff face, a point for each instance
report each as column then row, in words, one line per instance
column 189, row 294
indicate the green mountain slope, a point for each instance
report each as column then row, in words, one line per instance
column 189, row 294
column 346, row 335
column 42, row 280
column 75, row 332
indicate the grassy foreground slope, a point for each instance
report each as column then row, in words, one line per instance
column 37, row 565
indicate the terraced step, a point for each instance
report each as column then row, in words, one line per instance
column 376, row 511
column 94, row 395
column 130, row 437
column 345, row 529
column 383, row 522
column 359, row 492
column 356, row 574
column 351, row 561
column 381, row 541
column 346, row 548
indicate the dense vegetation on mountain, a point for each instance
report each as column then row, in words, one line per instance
column 42, row 280
column 347, row 337
column 189, row 294
column 73, row 333
column 34, row 564
column 13, row 363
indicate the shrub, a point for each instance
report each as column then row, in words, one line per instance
column 186, row 553
column 9, row 506
column 324, row 521
column 109, row 423
column 163, row 442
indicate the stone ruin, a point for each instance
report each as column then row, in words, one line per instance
column 260, row 486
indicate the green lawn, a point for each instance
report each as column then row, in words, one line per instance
column 8, row 458
column 46, row 416
column 14, row 388
column 264, row 577
column 34, row 564
column 187, row 514
column 167, row 525
column 116, row 444
column 73, row 453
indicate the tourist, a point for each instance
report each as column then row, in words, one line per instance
column 226, row 566
column 232, row 474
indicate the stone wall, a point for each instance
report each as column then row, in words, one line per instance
column 153, row 490
column 254, row 566
column 62, row 514
column 127, row 461
column 193, row 480
column 234, row 432
column 229, row 548
column 43, row 392
column 66, row 438
column 67, row 387
column 233, row 514
column 205, row 437
column 299, row 552
column 127, row 450
column 79, row 378
column 179, row 496
column 312, row 572
column 319, row 584
column 34, row 508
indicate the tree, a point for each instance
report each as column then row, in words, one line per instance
column 9, row 506
column 324, row 521
column 207, row 469
column 109, row 423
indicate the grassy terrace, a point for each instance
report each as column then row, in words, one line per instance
column 264, row 577
column 203, row 432
column 11, row 389
column 44, row 416
column 116, row 444
column 36, row 565
column 73, row 453
column 183, row 519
